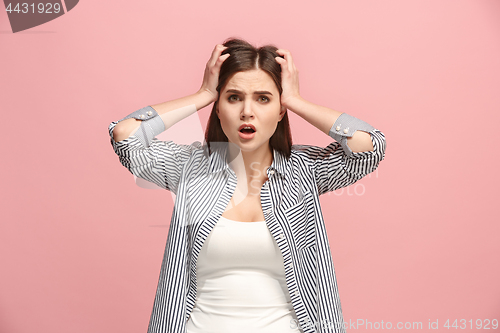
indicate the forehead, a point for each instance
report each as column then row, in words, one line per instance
column 252, row 80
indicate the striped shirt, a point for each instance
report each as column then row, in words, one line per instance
column 204, row 184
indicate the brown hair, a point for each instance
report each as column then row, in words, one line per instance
column 244, row 57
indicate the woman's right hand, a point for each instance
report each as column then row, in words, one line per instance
column 211, row 76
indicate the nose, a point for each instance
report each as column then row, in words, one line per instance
column 247, row 111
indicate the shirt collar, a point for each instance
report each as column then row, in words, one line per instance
column 217, row 160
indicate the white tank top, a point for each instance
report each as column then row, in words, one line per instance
column 241, row 282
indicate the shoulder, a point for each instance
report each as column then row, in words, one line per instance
column 303, row 158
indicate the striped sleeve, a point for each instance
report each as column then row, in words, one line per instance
column 336, row 166
column 159, row 162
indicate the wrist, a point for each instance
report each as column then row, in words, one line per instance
column 294, row 103
column 203, row 98
column 206, row 96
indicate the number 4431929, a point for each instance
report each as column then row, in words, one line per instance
column 47, row 8
column 485, row 324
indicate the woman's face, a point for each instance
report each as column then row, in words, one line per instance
column 250, row 97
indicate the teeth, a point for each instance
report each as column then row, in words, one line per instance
column 247, row 128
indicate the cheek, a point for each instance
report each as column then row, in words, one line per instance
column 225, row 124
column 273, row 119
column 224, row 118
column 271, row 125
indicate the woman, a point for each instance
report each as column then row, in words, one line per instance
column 247, row 249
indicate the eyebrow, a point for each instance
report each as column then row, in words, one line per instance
column 261, row 92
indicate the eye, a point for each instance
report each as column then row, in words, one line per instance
column 230, row 97
column 266, row 99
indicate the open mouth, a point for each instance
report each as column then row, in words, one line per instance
column 247, row 130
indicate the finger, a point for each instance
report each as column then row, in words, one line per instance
column 215, row 70
column 283, row 63
column 216, row 53
column 221, row 59
column 289, row 59
column 285, row 53
column 279, row 60
column 291, row 63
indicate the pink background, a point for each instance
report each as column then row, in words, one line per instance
column 81, row 244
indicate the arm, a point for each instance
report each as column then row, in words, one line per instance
column 357, row 152
column 359, row 147
column 173, row 111
column 344, row 128
column 161, row 162
column 169, row 113
column 350, row 132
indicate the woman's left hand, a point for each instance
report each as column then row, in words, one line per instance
column 289, row 79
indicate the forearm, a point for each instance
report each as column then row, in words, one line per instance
column 170, row 113
column 319, row 116
column 325, row 118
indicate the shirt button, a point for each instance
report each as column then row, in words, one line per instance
column 337, row 128
column 150, row 113
column 267, row 211
column 281, row 236
column 296, row 292
column 141, row 116
column 290, row 265
column 346, row 130
column 271, row 172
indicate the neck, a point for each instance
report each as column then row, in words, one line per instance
column 251, row 164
